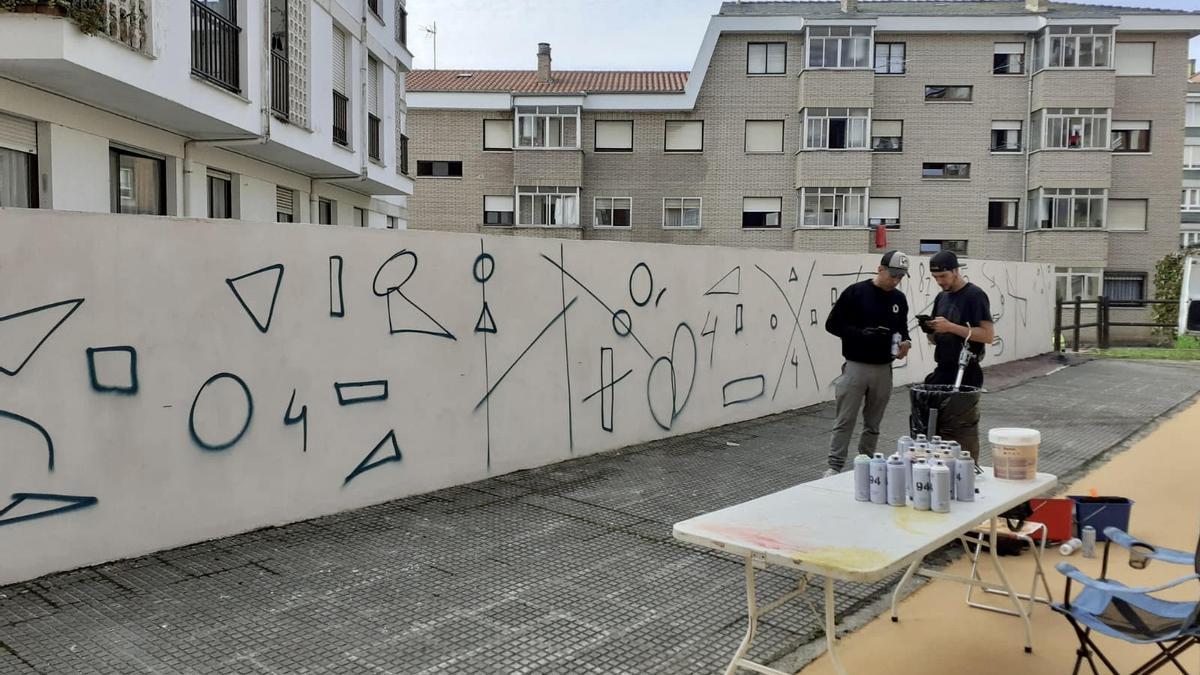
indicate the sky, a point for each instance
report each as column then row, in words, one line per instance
column 587, row 34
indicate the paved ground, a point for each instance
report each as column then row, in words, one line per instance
column 566, row 569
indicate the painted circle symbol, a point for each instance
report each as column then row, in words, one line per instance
column 622, row 323
column 215, row 447
column 484, row 268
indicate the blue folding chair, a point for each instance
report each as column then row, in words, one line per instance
column 1132, row 614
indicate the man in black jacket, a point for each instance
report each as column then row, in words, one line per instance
column 871, row 318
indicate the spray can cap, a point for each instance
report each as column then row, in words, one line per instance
column 939, row 463
column 879, row 455
column 895, row 459
column 964, row 454
column 921, row 461
column 862, row 458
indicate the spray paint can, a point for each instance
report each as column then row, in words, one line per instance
column 964, row 477
column 949, row 458
column 940, row 482
column 897, row 481
column 909, row 457
column 921, row 438
column 1070, row 546
column 921, row 485
column 935, row 442
column 903, row 444
column 895, row 344
column 878, row 469
column 1088, row 535
column 862, row 478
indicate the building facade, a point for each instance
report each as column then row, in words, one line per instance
column 999, row 129
column 1189, row 205
column 263, row 110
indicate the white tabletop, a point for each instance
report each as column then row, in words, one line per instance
column 819, row 527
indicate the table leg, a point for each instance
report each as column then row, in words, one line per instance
column 908, row 575
column 830, row 628
column 752, row 612
column 1012, row 593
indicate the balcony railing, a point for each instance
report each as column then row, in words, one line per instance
column 279, row 84
column 341, row 119
column 215, row 47
column 373, row 150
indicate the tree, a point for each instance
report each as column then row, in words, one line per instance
column 1168, row 281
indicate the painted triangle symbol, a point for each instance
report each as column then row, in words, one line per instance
column 22, row 333
column 257, row 291
column 793, row 276
column 390, row 449
column 63, row 504
column 730, row 284
column 486, row 323
column 405, row 316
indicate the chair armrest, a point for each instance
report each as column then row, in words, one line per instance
column 1168, row 555
column 1071, row 572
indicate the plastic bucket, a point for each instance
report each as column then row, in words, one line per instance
column 1101, row 512
column 1014, row 452
column 1058, row 515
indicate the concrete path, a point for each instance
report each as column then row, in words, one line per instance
column 566, row 569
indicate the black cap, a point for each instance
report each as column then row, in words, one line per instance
column 943, row 261
column 896, row 262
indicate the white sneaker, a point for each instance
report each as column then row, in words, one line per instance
column 829, row 473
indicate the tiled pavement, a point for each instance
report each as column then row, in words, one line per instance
column 566, row 569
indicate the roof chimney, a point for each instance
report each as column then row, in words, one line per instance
column 543, row 71
column 1037, row 5
column 849, row 6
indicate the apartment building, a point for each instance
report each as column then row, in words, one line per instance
column 1189, row 216
column 260, row 110
column 1004, row 129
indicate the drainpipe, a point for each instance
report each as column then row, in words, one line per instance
column 362, row 149
column 264, row 114
column 1028, row 155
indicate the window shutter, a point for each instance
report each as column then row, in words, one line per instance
column 497, row 134
column 18, row 134
column 1135, row 58
column 1010, row 48
column 339, row 61
column 498, row 203
column 612, row 135
column 685, row 135
column 764, row 136
column 373, row 87
column 776, row 57
column 885, row 207
column 1131, row 126
column 886, row 128
column 283, row 200
column 762, row 204
column 1007, row 125
column 1127, row 214
column 756, row 58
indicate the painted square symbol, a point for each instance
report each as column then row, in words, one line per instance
column 113, row 369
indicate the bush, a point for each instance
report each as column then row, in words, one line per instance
column 89, row 15
column 1168, row 279
column 1187, row 342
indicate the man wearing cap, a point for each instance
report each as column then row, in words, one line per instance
column 961, row 318
column 870, row 317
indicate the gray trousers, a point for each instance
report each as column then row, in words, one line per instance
column 861, row 385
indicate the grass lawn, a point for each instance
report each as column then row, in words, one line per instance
column 1163, row 353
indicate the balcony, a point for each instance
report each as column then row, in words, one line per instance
column 341, row 119
column 280, row 74
column 215, row 48
column 833, row 168
column 1069, row 247
column 547, row 167
column 1074, row 89
column 1070, row 168
column 837, row 89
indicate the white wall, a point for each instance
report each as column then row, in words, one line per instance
column 158, row 285
column 78, row 167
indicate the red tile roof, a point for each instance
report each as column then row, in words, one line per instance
column 1195, row 78
column 565, row 81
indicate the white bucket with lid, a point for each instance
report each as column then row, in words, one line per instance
column 1014, row 452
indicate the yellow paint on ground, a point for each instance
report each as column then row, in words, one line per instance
column 1157, row 473
column 854, row 559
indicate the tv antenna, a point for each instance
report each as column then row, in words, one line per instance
column 431, row 31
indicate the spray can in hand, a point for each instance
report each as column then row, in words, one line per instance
column 878, row 473
column 940, row 482
column 964, row 477
column 862, row 478
column 921, row 485
column 1088, row 535
column 897, row 481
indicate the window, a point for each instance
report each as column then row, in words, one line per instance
column 1008, row 58
column 1191, row 156
column 684, row 136
column 931, row 246
column 1193, row 114
column 498, row 210
column 941, row 92
column 220, row 195
column 889, row 58
column 393, row 223
column 611, row 211
column 401, row 23
column 284, row 205
column 439, row 169
column 1125, row 287
column 497, row 134
column 835, row 128
column 1189, row 239
column 682, row 212
column 1135, row 58
column 1130, row 136
column 341, row 102
column 548, row 126
column 1127, row 215
column 1006, row 136
column 326, row 211
column 1002, row 214
column 374, row 6
column 1072, row 128
column 138, row 183
column 18, row 178
column 1067, row 208
column 766, row 58
column 764, row 136
column 614, row 136
column 887, row 135
column 1191, row 200
column 885, row 211
column 1083, row 282
column 833, row 207
column 762, row 212
column 360, row 217
column 374, row 150
column 1078, row 46
column 839, row 46
column 945, row 170
column 548, row 206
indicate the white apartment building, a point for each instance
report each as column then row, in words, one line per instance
column 1189, row 216
column 259, row 110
